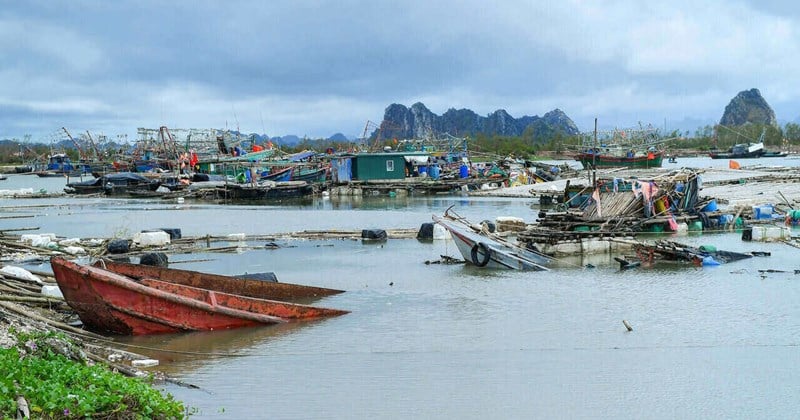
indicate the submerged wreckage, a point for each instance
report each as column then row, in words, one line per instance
column 609, row 214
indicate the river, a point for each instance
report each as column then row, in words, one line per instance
column 453, row 341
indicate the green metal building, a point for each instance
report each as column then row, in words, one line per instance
column 388, row 165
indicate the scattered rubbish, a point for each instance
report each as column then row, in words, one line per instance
column 151, row 238
column 20, row 273
column 765, row 233
column 627, row 325
column 626, row 265
column 156, row 259
column 664, row 250
column 52, row 291
column 118, row 246
column 144, row 363
column 425, row 231
column 373, row 234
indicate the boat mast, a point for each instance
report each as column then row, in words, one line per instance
column 594, row 156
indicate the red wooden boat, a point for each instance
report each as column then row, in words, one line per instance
column 135, row 299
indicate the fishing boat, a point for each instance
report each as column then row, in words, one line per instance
column 636, row 148
column 310, row 174
column 483, row 249
column 278, row 176
column 265, row 190
column 132, row 299
column 741, row 151
column 117, row 183
column 751, row 150
column 60, row 165
column 596, row 158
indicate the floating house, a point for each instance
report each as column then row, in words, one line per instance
column 376, row 166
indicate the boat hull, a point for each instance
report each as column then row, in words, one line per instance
column 112, row 302
column 590, row 161
column 755, row 155
column 287, row 189
column 244, row 287
column 482, row 251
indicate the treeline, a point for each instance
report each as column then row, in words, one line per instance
column 723, row 137
column 14, row 153
column 529, row 145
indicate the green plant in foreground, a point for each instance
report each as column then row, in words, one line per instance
column 56, row 387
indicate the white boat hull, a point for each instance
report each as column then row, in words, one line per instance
column 483, row 251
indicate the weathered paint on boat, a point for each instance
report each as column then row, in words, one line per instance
column 244, row 287
column 109, row 301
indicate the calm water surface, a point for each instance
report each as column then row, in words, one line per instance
column 452, row 341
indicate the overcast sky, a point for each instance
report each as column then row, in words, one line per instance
column 315, row 68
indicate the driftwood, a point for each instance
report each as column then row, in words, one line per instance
column 32, row 299
column 60, row 325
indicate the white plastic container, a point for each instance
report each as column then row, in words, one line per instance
column 69, row 242
column 52, row 291
column 74, row 250
column 237, row 237
column 157, row 238
column 28, row 238
column 37, row 240
column 683, row 228
column 439, row 232
column 770, row 233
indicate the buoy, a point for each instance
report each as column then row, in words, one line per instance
column 628, row 326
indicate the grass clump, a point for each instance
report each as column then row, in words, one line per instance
column 42, row 369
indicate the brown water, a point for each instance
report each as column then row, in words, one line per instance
column 452, row 341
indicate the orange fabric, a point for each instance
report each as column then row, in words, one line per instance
column 733, row 164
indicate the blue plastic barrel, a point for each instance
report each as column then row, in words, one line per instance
column 711, row 206
column 464, row 171
column 422, row 169
column 434, row 171
column 762, row 212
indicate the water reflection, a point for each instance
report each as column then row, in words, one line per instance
column 187, row 351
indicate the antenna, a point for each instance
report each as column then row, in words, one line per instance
column 263, row 129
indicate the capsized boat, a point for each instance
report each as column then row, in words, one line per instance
column 483, row 249
column 664, row 250
column 136, row 300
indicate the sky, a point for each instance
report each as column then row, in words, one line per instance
column 315, row 68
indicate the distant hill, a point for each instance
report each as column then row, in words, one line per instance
column 748, row 106
column 419, row 122
column 338, row 137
